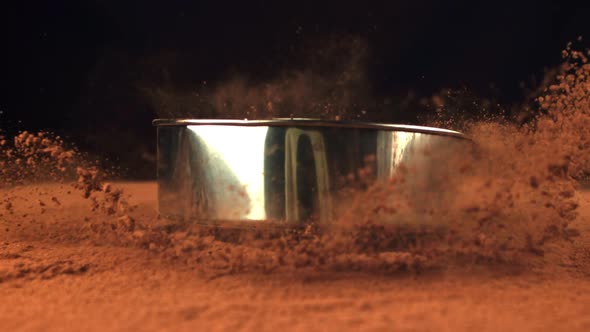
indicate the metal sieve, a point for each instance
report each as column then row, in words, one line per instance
column 289, row 170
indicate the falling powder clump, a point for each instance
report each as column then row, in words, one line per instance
column 34, row 157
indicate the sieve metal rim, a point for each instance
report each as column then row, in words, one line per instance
column 308, row 122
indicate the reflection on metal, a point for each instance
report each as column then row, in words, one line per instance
column 236, row 166
column 320, row 186
column 286, row 170
column 391, row 147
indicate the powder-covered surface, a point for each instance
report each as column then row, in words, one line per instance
column 54, row 276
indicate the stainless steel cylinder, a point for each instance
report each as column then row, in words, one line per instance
column 291, row 170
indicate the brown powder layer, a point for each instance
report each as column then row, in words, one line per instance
column 60, row 271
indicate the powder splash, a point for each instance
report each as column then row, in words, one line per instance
column 501, row 202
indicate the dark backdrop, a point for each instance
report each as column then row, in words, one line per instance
column 79, row 68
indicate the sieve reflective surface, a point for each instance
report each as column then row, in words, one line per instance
column 290, row 170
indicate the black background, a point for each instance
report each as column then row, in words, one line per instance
column 74, row 67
